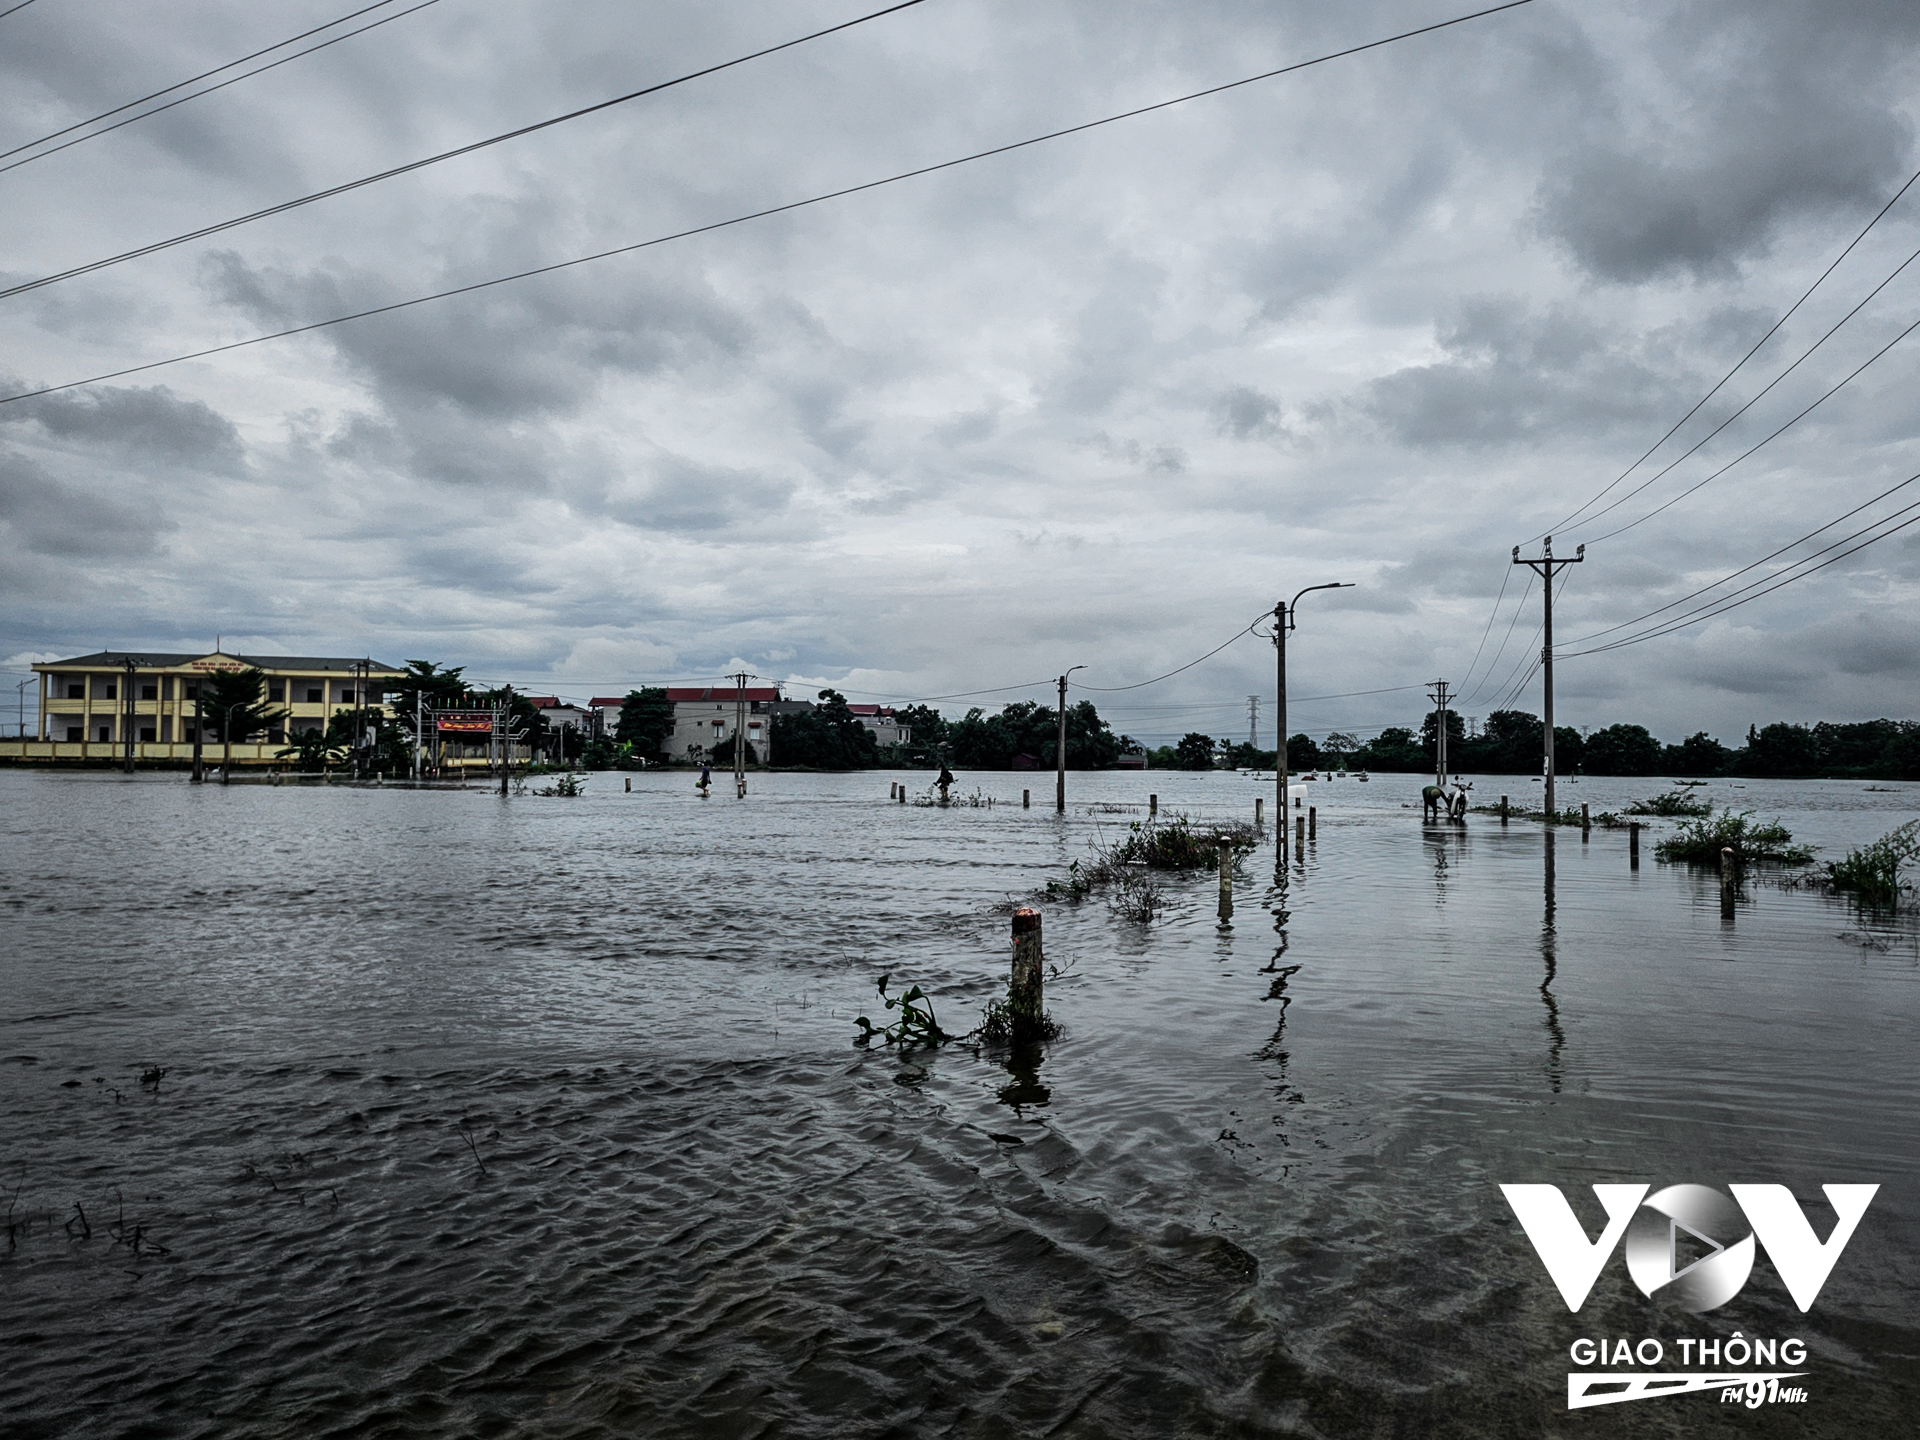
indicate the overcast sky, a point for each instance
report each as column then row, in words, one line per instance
column 1097, row 402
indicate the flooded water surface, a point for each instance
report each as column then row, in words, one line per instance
column 337, row 1111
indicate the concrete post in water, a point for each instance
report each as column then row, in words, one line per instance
column 1313, row 822
column 1300, row 830
column 1025, row 1002
column 1225, row 852
column 1726, row 876
column 1503, row 809
column 903, row 795
column 629, row 784
column 1298, row 802
column 1153, row 806
column 1633, row 844
column 1026, row 799
column 1586, row 821
column 1259, row 811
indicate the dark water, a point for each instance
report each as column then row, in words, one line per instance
column 541, row 1116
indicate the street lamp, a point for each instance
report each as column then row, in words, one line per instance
column 1283, row 620
column 1060, row 751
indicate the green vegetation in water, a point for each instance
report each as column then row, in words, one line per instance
column 998, row 1027
column 916, row 1025
column 569, row 785
column 1701, row 840
column 1671, row 803
column 1123, row 867
column 1605, row 819
column 1872, row 872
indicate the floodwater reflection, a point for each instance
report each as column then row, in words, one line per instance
column 1549, row 941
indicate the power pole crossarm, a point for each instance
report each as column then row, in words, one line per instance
column 1546, row 567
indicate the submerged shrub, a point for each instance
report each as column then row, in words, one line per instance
column 1700, row 841
column 1872, row 871
column 1671, row 803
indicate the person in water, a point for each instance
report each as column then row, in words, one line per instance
column 706, row 777
column 946, row 779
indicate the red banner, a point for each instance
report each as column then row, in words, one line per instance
column 463, row 722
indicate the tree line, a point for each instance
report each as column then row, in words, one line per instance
column 1510, row 743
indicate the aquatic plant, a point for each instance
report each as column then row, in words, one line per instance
column 1146, row 846
column 568, row 785
column 1000, row 1024
column 1671, row 803
column 1872, row 871
column 1701, row 840
column 916, row 1025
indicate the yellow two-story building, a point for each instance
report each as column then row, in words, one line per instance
column 92, row 705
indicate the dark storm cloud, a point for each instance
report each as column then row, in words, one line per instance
column 919, row 417
column 1511, row 374
column 1763, row 114
column 48, row 517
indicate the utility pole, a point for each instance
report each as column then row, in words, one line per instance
column 199, row 726
column 1438, row 696
column 22, row 688
column 1253, row 722
column 128, row 714
column 1283, row 621
column 1060, row 751
column 1545, row 567
column 419, row 718
column 740, row 734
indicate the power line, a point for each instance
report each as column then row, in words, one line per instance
column 1506, row 575
column 1727, row 602
column 413, row 165
column 1624, row 624
column 1141, row 685
column 756, row 214
column 1738, row 365
column 1519, row 608
column 1695, row 449
column 204, row 75
column 1767, row 440
column 21, row 6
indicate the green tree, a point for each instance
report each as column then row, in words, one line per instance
column 1698, row 754
column 1394, row 749
column 828, row 737
column 1456, row 739
column 1302, row 754
column 312, row 751
column 424, row 686
column 1622, row 750
column 1195, row 751
column 928, row 726
column 646, row 715
column 1780, row 751
column 722, row 754
column 232, row 703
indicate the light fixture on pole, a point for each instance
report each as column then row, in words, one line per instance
column 1283, row 621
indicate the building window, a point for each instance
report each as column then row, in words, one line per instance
column 76, row 691
column 277, row 692
column 166, row 729
column 146, row 735
column 189, row 733
column 76, row 734
column 313, row 697
column 106, row 734
column 166, row 687
column 110, row 691
column 150, row 692
column 346, row 694
column 190, row 692
column 276, row 737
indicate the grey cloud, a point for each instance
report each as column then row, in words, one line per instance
column 1768, row 113
column 684, row 496
column 1247, row 414
column 55, row 519
column 145, row 424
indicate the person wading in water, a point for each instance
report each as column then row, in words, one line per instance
column 705, row 780
column 946, row 779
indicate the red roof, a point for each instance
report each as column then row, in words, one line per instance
column 606, row 702
column 875, row 710
column 719, row 694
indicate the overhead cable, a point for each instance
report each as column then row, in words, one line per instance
column 203, row 75
column 412, row 165
column 750, row 216
column 1738, row 365
column 1142, row 684
column 1765, row 441
column 1696, row 447
column 1625, row 624
column 21, row 6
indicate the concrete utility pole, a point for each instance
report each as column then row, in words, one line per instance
column 419, row 716
column 740, row 735
column 1283, row 621
column 128, row 714
column 1060, row 751
column 1545, row 567
column 199, row 727
column 1439, row 698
